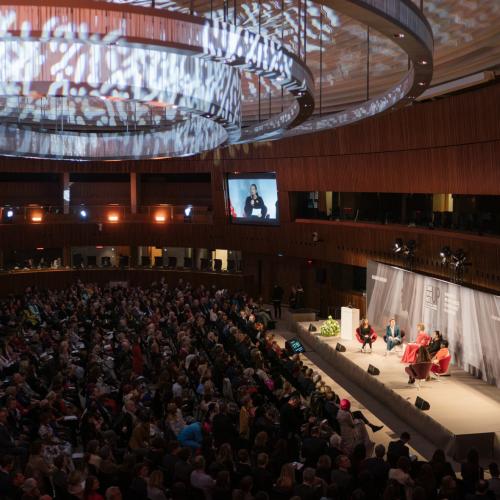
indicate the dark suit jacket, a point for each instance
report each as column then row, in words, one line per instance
column 397, row 449
column 397, row 331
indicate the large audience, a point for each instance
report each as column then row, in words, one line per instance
column 175, row 392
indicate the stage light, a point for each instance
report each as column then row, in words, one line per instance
column 187, row 211
column 398, row 245
column 9, row 213
column 36, row 216
column 83, row 213
column 113, row 217
column 445, row 255
column 159, row 218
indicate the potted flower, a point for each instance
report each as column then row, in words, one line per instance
column 330, row 328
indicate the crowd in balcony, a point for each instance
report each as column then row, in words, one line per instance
column 175, row 392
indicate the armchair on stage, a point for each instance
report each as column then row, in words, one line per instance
column 441, row 369
column 360, row 339
column 420, row 371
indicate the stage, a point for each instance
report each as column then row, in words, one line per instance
column 464, row 411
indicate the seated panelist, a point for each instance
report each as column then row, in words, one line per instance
column 392, row 335
column 423, row 339
column 366, row 334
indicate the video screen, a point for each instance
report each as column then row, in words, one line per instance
column 253, row 198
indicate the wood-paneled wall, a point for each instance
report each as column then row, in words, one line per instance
column 26, row 193
column 451, row 145
column 100, row 193
column 342, row 242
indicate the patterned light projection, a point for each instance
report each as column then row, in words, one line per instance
column 112, row 80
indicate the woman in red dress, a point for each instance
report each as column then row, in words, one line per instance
column 411, row 350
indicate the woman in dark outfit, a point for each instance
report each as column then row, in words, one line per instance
column 255, row 201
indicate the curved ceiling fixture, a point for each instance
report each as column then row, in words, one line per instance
column 403, row 22
column 76, row 82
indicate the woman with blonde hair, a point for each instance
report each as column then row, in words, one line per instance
column 285, row 483
column 423, row 339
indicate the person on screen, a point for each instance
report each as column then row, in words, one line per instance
column 392, row 335
column 254, row 203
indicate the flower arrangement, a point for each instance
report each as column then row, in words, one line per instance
column 330, row 328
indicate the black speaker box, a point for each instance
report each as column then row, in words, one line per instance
column 373, row 370
column 422, row 404
column 312, row 328
column 340, row 347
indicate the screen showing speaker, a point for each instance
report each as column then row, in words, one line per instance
column 253, row 198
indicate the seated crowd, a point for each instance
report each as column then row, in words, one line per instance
column 181, row 392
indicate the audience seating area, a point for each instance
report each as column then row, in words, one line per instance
column 179, row 392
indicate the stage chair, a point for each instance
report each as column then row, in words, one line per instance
column 360, row 340
column 441, row 370
column 422, row 371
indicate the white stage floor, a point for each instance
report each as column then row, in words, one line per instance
column 468, row 408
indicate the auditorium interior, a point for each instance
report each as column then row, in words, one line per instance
column 250, row 250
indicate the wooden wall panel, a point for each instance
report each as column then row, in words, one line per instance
column 100, row 193
column 26, row 193
column 449, row 145
column 197, row 193
column 342, row 242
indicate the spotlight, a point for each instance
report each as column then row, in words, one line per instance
column 445, row 255
column 160, row 218
column 398, row 245
column 113, row 217
column 405, row 250
column 83, row 213
column 7, row 214
column 187, row 211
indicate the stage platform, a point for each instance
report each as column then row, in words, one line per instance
column 464, row 411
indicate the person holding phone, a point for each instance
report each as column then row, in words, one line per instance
column 255, row 204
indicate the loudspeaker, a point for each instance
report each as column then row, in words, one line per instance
column 373, row 370
column 422, row 404
column 312, row 328
column 145, row 260
column 231, row 266
column 339, row 347
column 158, row 261
column 172, row 262
column 294, row 346
column 91, row 260
column 188, row 263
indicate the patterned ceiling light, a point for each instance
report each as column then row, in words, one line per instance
column 107, row 81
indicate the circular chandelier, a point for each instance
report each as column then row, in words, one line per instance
column 124, row 80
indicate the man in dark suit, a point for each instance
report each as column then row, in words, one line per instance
column 276, row 298
column 398, row 449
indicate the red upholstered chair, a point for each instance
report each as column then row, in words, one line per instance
column 441, row 368
column 360, row 340
column 421, row 371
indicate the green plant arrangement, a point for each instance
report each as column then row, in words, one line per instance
column 330, row 328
